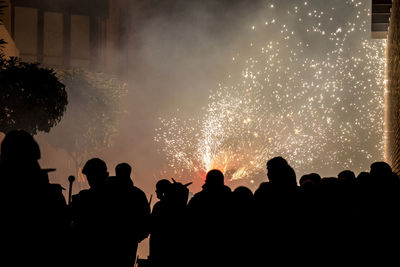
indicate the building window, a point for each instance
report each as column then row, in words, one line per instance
column 53, row 39
column 80, row 41
column 58, row 36
column 26, row 32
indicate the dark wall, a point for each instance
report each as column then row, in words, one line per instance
column 393, row 98
column 86, row 7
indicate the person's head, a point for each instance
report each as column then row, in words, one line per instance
column 363, row 178
column 123, row 170
column 312, row 179
column 290, row 177
column 96, row 172
column 276, row 167
column 243, row 194
column 346, row 175
column 214, row 179
column 19, row 147
column 279, row 171
column 162, row 188
column 380, row 169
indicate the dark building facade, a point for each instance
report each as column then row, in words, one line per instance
column 386, row 24
column 393, row 89
column 59, row 33
column 67, row 33
column 380, row 18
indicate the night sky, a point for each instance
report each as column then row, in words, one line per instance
column 230, row 84
column 308, row 86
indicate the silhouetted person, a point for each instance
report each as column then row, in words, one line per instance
column 90, row 216
column 34, row 221
column 348, row 191
column 277, row 203
column 380, row 169
column 168, row 224
column 380, row 213
column 309, row 224
column 122, row 175
column 385, row 192
column 242, row 234
column 130, row 216
column 159, row 221
column 309, row 183
column 365, row 185
column 243, row 197
column 109, row 218
column 330, row 211
column 348, row 204
column 347, row 176
column 210, row 213
column 163, row 187
column 363, row 178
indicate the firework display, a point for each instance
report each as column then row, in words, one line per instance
column 310, row 89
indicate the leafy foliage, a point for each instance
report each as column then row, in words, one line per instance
column 91, row 119
column 31, row 97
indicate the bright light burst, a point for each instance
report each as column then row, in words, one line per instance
column 310, row 90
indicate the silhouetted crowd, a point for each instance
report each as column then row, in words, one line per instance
column 343, row 220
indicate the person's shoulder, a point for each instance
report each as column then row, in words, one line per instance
column 158, row 205
column 264, row 186
column 57, row 188
column 116, row 181
column 51, row 194
column 137, row 190
column 111, row 180
column 194, row 197
column 199, row 195
column 227, row 189
column 138, row 194
column 83, row 194
column 197, row 198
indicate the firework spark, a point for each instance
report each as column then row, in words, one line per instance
column 311, row 90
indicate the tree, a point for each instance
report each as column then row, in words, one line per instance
column 31, row 97
column 90, row 122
